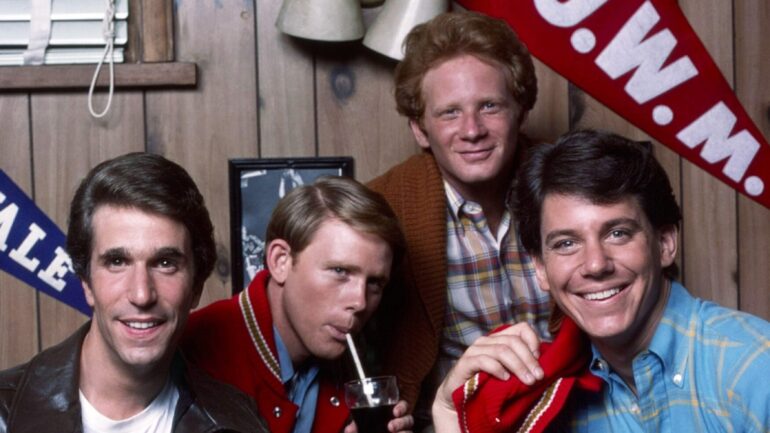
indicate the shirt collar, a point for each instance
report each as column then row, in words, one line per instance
column 670, row 341
column 454, row 200
column 284, row 359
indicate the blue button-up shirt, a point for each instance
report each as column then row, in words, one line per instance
column 301, row 386
column 707, row 369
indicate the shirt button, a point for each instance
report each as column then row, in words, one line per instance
column 277, row 412
column 472, row 208
column 635, row 409
column 334, row 401
column 678, row 379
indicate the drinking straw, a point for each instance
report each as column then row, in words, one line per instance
column 368, row 390
column 356, row 359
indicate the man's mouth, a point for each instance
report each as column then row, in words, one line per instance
column 141, row 325
column 600, row 296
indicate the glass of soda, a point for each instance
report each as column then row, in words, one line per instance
column 371, row 402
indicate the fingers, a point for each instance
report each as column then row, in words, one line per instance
column 402, row 424
column 512, row 351
column 400, row 409
column 504, row 353
column 527, row 334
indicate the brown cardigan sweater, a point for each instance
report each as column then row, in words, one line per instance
column 415, row 191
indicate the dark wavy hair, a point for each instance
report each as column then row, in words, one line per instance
column 150, row 183
column 600, row 166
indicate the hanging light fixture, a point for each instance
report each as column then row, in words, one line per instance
column 322, row 20
column 397, row 18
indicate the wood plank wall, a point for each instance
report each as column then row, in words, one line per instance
column 263, row 94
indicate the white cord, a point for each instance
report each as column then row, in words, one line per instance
column 108, row 28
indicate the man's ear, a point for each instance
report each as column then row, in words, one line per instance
column 419, row 133
column 88, row 292
column 542, row 277
column 668, row 238
column 278, row 259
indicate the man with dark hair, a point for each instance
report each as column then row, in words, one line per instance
column 330, row 248
column 142, row 243
column 597, row 213
column 466, row 84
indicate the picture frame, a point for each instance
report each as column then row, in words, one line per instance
column 256, row 185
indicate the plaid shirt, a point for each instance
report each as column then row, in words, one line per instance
column 706, row 370
column 491, row 280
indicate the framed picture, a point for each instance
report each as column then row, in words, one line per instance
column 256, row 185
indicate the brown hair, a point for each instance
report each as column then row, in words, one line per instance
column 150, row 183
column 597, row 165
column 454, row 34
column 298, row 215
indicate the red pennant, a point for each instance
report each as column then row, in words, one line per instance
column 643, row 60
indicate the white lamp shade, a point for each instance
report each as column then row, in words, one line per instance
column 322, row 20
column 397, row 18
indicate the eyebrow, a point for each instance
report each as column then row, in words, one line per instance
column 357, row 269
column 171, row 252
column 113, row 253
column 621, row 221
column 121, row 252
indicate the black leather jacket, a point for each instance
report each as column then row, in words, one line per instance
column 41, row 396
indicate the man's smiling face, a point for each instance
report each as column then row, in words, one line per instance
column 602, row 263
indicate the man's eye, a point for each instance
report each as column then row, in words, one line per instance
column 167, row 265
column 450, row 113
column 619, row 234
column 562, row 245
column 116, row 261
column 340, row 270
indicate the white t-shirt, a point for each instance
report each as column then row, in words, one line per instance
column 158, row 417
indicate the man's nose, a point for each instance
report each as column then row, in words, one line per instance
column 142, row 291
column 356, row 296
column 596, row 260
column 473, row 126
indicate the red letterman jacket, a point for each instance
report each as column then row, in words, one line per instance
column 489, row 405
column 232, row 340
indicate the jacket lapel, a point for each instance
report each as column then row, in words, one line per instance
column 47, row 401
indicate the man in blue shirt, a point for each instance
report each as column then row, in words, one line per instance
column 597, row 213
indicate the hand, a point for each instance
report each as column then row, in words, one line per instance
column 513, row 350
column 402, row 422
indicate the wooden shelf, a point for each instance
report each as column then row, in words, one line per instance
column 141, row 75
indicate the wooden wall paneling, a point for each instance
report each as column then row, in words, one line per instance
column 157, row 31
column 201, row 128
column 709, row 206
column 66, row 143
column 752, row 66
column 287, row 125
column 18, row 306
column 357, row 111
column 356, row 108
column 550, row 116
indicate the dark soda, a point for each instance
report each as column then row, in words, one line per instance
column 373, row 419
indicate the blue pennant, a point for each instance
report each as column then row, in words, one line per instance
column 32, row 248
